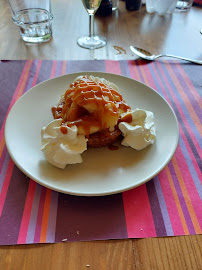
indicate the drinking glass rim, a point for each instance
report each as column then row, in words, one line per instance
column 18, row 22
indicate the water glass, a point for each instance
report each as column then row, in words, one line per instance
column 184, row 4
column 115, row 4
column 33, row 18
column 161, row 7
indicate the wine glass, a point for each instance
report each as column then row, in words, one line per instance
column 91, row 41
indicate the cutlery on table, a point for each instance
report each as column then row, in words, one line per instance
column 150, row 57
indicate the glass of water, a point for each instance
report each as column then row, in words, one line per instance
column 91, row 41
column 33, row 18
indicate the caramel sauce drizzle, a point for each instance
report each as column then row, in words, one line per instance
column 119, row 49
column 113, row 147
column 127, row 118
column 83, row 93
column 63, row 129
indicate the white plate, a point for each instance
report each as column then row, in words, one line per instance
column 103, row 171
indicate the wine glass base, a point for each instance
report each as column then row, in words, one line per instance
column 94, row 42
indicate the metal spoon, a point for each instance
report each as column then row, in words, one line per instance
column 148, row 56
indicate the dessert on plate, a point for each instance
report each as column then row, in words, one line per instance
column 92, row 113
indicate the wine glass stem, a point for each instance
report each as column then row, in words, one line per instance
column 91, row 25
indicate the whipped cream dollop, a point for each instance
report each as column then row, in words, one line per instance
column 62, row 148
column 140, row 132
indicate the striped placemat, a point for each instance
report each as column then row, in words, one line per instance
column 168, row 205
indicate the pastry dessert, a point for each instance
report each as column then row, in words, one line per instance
column 95, row 107
column 92, row 113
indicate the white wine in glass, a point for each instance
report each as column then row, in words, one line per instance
column 91, row 41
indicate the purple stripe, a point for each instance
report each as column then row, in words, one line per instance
column 78, row 66
column 40, row 216
column 138, row 65
column 190, row 165
column 33, row 217
column 50, row 237
column 156, row 81
column 67, row 66
column 8, row 84
column 186, row 90
column 4, row 170
column 156, row 210
column 164, row 211
column 2, row 158
column 124, row 68
column 13, row 208
column 180, row 101
column 45, row 71
column 87, row 218
column 59, row 68
column 30, row 77
column 182, row 200
column 191, row 144
column 193, row 72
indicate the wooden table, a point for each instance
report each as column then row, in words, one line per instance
column 177, row 34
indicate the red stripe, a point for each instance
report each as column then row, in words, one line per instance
column 15, row 95
column 34, row 82
column 6, row 185
column 194, row 162
column 63, row 71
column 189, row 84
column 112, row 67
column 133, row 70
column 176, row 103
column 139, row 219
column 181, row 112
column 2, row 158
column 160, row 83
column 183, row 96
column 27, row 213
column 190, row 192
column 53, row 70
column 171, row 204
column 46, row 211
column 188, row 189
column 40, row 216
column 152, row 84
